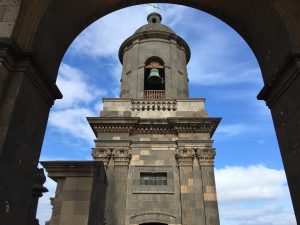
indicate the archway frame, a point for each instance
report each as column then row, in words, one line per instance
column 32, row 52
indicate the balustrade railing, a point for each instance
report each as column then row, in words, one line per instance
column 154, row 94
column 152, row 105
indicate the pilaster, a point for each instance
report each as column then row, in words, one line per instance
column 121, row 158
column 102, row 154
column 206, row 161
column 185, row 158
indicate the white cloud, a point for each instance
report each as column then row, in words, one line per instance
column 98, row 107
column 250, row 183
column 76, row 88
column 254, row 195
column 229, row 130
column 105, row 36
column 212, row 47
column 73, row 121
column 206, row 76
column 81, row 99
column 213, row 43
column 272, row 213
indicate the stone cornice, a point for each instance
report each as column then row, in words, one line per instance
column 194, row 124
column 112, row 124
column 20, row 60
column 282, row 79
column 163, row 126
column 62, row 169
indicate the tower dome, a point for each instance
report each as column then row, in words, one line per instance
column 154, row 29
column 154, row 25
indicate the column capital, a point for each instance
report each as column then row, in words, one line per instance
column 121, row 156
column 206, row 156
column 185, row 156
column 102, row 154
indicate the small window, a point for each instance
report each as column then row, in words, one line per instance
column 153, row 179
column 153, row 20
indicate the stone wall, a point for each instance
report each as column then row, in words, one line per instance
column 9, row 10
column 80, row 193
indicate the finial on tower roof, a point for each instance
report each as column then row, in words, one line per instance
column 154, row 18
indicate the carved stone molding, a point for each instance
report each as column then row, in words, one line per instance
column 102, row 154
column 121, row 156
column 194, row 124
column 112, row 128
column 185, row 156
column 206, row 156
column 15, row 59
column 282, row 79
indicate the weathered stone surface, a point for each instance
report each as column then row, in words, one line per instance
column 80, row 192
column 139, row 137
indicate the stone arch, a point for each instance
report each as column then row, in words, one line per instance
column 153, row 224
column 153, row 217
column 154, row 58
column 259, row 23
column 44, row 30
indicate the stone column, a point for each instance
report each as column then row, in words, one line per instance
column 25, row 101
column 282, row 95
column 121, row 157
column 206, row 162
column 104, row 155
column 185, row 159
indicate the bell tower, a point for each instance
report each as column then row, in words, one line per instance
column 154, row 62
column 154, row 140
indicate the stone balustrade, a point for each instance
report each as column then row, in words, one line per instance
column 170, row 105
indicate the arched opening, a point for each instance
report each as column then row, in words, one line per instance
column 154, row 79
column 268, row 27
column 153, row 224
column 196, row 94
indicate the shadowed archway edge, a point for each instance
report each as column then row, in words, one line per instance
column 259, row 23
column 47, row 28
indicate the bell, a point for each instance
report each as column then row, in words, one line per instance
column 154, row 77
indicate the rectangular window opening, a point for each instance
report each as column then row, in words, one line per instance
column 153, row 179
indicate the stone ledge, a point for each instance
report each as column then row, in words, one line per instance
column 16, row 59
column 288, row 71
column 60, row 169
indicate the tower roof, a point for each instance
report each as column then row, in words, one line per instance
column 154, row 24
column 154, row 29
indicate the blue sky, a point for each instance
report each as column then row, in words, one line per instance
column 251, row 182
